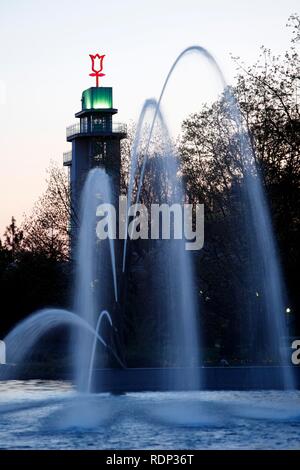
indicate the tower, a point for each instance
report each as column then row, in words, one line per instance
column 95, row 142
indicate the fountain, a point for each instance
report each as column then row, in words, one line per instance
column 97, row 284
column 174, row 302
column 59, row 417
column 267, row 323
column 103, row 314
column 95, row 274
column 90, row 294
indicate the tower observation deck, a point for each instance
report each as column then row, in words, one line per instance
column 95, row 140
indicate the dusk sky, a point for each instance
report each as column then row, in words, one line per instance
column 45, row 66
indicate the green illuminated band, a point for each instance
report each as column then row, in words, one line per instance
column 97, row 98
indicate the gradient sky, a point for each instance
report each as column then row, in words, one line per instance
column 44, row 66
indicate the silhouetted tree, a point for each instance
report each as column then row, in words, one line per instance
column 46, row 230
column 13, row 239
column 268, row 96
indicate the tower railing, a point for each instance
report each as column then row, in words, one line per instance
column 79, row 128
column 67, row 158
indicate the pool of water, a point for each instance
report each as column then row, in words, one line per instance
column 51, row 415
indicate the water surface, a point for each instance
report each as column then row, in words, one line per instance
column 52, row 415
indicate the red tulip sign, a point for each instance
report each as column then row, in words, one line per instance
column 97, row 67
